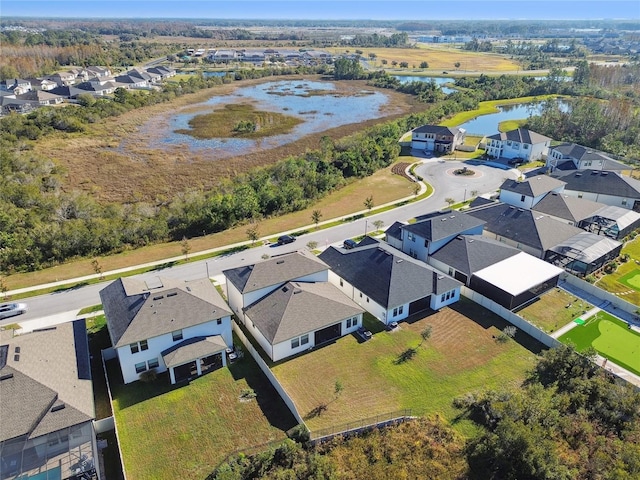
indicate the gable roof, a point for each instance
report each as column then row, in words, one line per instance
column 579, row 153
column 395, row 230
column 386, row 275
column 136, row 310
column 602, row 182
column 520, row 135
column 298, row 308
column 471, row 253
column 527, row 227
column 441, row 226
column 567, row 207
column 437, row 129
column 532, row 187
column 41, row 370
column 275, row 271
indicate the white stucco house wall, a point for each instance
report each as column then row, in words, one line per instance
column 518, row 143
column 165, row 324
column 437, row 138
column 528, row 193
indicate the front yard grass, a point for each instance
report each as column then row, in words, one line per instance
column 461, row 356
column 554, row 310
column 185, row 431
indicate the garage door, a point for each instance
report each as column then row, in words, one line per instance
column 327, row 334
column 419, row 305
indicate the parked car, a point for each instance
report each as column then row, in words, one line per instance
column 349, row 244
column 284, row 239
column 516, row 162
column 12, row 309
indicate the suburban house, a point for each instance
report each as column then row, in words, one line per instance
column 16, row 85
column 164, row 72
column 287, row 304
column 429, row 233
column 610, row 188
column 247, row 284
column 299, row 316
column 388, row 283
column 63, row 79
column 614, row 222
column 528, row 193
column 163, row 324
column 518, row 143
column 437, row 138
column 41, row 97
column 100, row 72
column 223, row 56
column 571, row 156
column 544, row 237
column 46, row 404
column 504, row 274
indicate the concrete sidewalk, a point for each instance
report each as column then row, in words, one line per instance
column 572, row 324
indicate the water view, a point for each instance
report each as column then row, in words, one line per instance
column 319, row 104
column 438, row 81
column 488, row 124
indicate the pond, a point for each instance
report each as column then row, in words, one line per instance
column 318, row 104
column 438, row 80
column 488, row 124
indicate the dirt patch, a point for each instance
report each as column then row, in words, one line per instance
column 95, row 163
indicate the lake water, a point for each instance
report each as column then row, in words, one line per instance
column 488, row 124
column 298, row 98
column 438, row 80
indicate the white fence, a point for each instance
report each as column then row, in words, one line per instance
column 108, row 354
column 599, row 293
column 265, row 369
column 511, row 317
column 104, row 424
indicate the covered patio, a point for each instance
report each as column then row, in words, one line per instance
column 194, row 357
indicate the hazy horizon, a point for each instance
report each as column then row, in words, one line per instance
column 406, row 10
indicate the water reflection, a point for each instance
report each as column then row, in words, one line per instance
column 488, row 124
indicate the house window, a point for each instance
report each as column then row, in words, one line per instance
column 354, row 322
column 367, row 299
column 219, row 321
column 304, row 339
column 426, row 243
column 177, row 335
column 144, row 345
column 522, row 198
column 295, row 343
column 341, row 283
column 139, row 346
column 349, row 323
column 580, row 195
column 624, row 202
column 141, row 367
column 153, row 363
column 411, row 237
column 360, row 294
column 134, row 347
column 442, row 297
column 525, row 146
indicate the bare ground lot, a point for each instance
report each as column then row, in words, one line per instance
column 94, row 161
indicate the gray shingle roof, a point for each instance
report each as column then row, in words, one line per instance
column 471, row 253
column 579, row 153
column 443, row 226
column 46, row 371
column 532, row 187
column 386, row 275
column 564, row 206
column 395, row 230
column 136, row 312
column 521, row 135
column 530, row 228
column 602, row 182
column 193, row 348
column 437, row 129
column 298, row 308
column 275, row 271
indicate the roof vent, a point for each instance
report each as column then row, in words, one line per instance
column 443, row 219
column 159, row 297
column 578, row 174
column 453, row 216
column 17, row 349
column 440, row 277
column 604, row 174
column 16, row 358
column 399, row 260
column 285, row 289
column 511, row 207
column 279, row 262
column 297, row 291
column 172, row 294
column 520, row 210
column 188, row 289
column 6, row 376
column 57, row 408
column 471, row 240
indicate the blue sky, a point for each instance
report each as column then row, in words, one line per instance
column 330, row 10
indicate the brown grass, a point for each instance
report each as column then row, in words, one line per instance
column 95, row 163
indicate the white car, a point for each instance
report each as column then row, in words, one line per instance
column 11, row 309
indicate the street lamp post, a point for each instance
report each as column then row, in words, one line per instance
column 365, row 227
column 207, row 265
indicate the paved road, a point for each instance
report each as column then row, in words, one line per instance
column 434, row 171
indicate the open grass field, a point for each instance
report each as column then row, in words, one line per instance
column 439, row 57
column 169, row 432
column 625, row 281
column 554, row 309
column 383, row 185
column 610, row 337
column 461, row 356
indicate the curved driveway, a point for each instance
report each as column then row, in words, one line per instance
column 438, row 173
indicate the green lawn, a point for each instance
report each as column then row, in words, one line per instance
column 610, row 337
column 631, row 279
column 554, row 310
column 462, row 355
column 171, row 432
column 625, row 280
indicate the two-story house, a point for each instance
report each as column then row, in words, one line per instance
column 528, row 193
column 437, row 138
column 164, row 324
column 571, row 156
column 610, row 188
column 518, row 143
